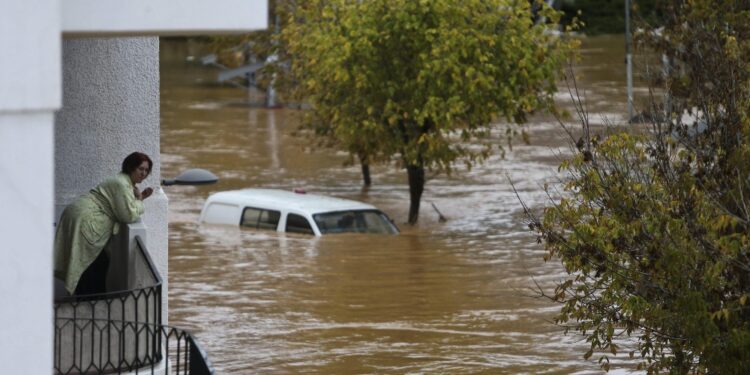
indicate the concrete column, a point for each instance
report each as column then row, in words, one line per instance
column 110, row 109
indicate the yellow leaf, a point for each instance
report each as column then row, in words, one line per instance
column 392, row 120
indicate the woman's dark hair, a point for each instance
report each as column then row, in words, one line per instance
column 134, row 160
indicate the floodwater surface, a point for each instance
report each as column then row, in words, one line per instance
column 452, row 297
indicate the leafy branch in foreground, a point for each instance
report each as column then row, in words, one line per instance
column 653, row 227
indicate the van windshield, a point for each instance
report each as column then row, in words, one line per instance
column 355, row 221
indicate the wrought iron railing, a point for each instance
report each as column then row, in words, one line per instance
column 120, row 331
column 97, row 348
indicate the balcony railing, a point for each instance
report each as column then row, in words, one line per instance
column 98, row 346
column 120, row 331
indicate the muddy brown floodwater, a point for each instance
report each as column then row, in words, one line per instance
column 441, row 298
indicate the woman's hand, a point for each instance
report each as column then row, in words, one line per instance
column 146, row 193
column 136, row 192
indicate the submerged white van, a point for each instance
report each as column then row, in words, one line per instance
column 294, row 212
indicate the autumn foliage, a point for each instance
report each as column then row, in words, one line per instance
column 420, row 82
column 653, row 227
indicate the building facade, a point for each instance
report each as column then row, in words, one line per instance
column 79, row 91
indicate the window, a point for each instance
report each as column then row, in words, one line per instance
column 250, row 217
column 269, row 220
column 260, row 219
column 358, row 221
column 298, row 224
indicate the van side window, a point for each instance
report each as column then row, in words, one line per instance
column 261, row 219
column 269, row 220
column 298, row 224
column 250, row 217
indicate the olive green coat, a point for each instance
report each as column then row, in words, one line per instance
column 86, row 225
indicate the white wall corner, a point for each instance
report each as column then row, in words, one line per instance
column 30, row 50
column 26, row 191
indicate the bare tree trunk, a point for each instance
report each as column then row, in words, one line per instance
column 365, row 169
column 366, row 174
column 416, row 187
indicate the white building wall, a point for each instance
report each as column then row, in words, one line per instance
column 26, row 190
column 110, row 109
column 112, row 88
column 29, row 95
column 29, row 55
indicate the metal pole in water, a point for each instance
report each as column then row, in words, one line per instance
column 629, row 60
column 667, row 95
column 271, row 90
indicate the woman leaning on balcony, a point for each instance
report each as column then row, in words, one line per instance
column 86, row 226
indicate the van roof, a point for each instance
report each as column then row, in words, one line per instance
column 287, row 200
